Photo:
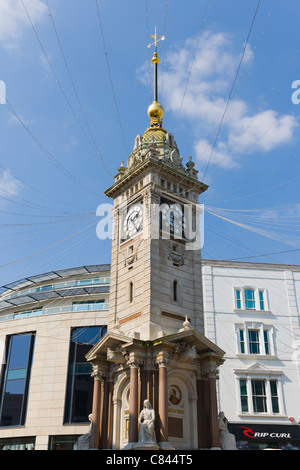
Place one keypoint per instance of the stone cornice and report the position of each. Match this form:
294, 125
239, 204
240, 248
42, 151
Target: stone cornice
250, 265
149, 162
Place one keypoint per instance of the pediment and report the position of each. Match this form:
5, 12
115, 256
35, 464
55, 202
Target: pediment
257, 369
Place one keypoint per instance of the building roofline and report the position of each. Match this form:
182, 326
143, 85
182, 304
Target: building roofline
251, 265
54, 275
98, 268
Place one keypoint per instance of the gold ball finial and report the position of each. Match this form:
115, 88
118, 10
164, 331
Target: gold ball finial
155, 111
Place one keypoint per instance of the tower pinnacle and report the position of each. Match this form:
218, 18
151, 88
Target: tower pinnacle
155, 59
155, 110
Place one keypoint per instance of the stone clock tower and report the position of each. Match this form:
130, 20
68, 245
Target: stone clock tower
155, 347
156, 261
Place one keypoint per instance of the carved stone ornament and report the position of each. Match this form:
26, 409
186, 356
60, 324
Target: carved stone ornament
208, 372
118, 356
176, 253
184, 353
131, 254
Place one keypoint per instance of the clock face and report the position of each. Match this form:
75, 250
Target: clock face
172, 219
133, 221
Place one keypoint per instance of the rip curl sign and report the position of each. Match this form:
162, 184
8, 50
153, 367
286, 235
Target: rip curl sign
2, 92
263, 435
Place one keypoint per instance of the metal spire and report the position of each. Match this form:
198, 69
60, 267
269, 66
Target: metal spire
155, 59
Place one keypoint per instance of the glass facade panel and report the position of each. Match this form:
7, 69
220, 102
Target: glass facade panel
80, 383
89, 305
63, 442
17, 443
19, 351
15, 383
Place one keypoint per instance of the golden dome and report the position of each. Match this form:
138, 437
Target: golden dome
155, 111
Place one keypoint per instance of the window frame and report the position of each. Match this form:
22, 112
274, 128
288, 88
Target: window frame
265, 340
259, 300
272, 401
6, 369
78, 369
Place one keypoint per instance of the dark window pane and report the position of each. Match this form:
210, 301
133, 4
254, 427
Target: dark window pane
259, 396
244, 401
275, 405
83, 395
259, 405
17, 443
63, 442
12, 403
19, 351
16, 375
80, 383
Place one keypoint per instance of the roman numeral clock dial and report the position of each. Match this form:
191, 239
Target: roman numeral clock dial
133, 221
172, 218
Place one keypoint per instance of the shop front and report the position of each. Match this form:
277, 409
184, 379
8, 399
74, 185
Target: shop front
266, 436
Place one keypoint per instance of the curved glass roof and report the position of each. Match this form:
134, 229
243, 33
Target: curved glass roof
55, 293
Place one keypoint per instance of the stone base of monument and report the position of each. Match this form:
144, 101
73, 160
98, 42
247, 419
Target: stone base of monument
165, 446
148, 446
145, 446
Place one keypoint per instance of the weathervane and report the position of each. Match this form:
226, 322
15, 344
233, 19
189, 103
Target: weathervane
155, 59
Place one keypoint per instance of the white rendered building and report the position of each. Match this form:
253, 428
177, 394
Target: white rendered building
252, 313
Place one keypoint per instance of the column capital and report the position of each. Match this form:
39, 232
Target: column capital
98, 373
208, 372
134, 361
162, 359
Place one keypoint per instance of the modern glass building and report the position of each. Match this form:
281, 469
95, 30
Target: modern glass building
48, 323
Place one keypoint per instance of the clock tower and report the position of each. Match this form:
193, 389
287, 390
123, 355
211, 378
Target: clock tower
156, 261
155, 351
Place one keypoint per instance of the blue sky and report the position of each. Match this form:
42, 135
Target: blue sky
78, 84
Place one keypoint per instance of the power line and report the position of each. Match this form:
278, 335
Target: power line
110, 78
96, 149
163, 55
49, 155
38, 191
265, 254
233, 85
192, 64
3, 266
61, 88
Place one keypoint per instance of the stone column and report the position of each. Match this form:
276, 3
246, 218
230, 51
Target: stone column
203, 415
214, 424
107, 415
162, 360
97, 374
133, 400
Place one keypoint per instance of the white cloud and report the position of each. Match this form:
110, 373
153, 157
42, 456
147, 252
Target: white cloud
13, 19
9, 186
205, 99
